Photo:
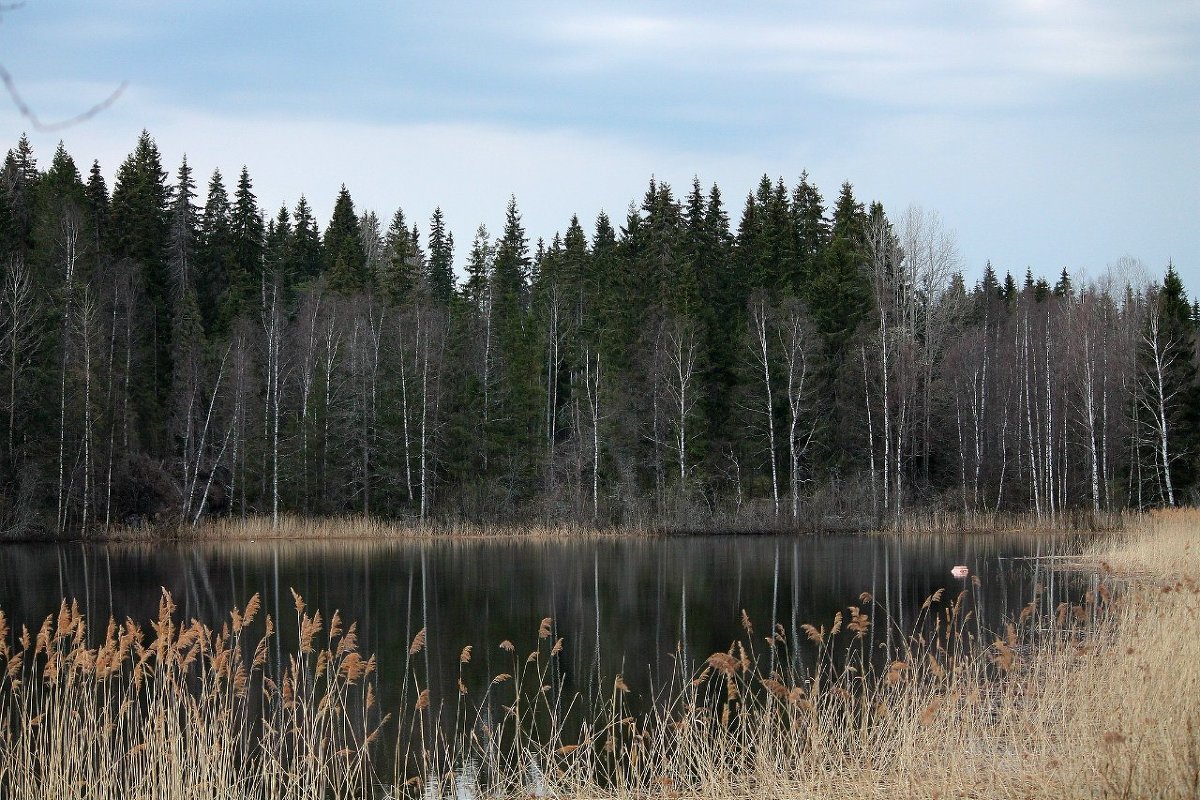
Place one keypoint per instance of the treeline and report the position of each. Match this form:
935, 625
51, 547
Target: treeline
169, 350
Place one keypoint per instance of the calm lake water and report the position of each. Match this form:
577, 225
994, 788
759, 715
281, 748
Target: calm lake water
628, 606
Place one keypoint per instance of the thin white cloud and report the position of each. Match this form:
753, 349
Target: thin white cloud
1002, 51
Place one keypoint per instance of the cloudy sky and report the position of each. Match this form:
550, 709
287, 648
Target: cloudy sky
1047, 134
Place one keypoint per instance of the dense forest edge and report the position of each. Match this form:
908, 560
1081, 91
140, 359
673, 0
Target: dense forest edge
170, 355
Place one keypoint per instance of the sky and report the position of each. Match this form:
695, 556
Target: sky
1045, 134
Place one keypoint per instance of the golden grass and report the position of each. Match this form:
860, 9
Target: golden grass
188, 713
1096, 698
356, 526
292, 526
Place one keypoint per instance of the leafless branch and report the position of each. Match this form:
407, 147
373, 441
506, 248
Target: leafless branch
49, 127
10, 86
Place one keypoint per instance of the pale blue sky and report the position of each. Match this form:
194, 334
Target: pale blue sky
1047, 134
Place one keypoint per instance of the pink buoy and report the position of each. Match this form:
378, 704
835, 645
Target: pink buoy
960, 571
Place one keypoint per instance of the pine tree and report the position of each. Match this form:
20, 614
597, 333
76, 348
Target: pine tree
603, 285
576, 264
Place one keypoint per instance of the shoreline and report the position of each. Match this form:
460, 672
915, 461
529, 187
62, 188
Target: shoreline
357, 528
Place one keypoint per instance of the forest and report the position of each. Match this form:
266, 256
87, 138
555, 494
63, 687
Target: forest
169, 350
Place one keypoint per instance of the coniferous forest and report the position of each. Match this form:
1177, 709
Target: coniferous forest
169, 350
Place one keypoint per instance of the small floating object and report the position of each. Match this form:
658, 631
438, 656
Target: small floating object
960, 571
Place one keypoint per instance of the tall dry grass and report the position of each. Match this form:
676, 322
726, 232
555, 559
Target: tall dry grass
290, 526
183, 711
1092, 698
356, 526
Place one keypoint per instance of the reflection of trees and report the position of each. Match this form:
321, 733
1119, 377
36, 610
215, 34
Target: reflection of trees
619, 604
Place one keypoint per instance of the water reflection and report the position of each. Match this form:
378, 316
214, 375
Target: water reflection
638, 607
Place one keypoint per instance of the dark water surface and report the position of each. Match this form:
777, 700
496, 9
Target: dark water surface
631, 606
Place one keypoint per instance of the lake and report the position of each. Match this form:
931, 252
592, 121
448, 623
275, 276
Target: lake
638, 607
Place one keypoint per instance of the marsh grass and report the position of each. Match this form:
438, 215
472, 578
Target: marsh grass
1092, 698
359, 527
371, 528
183, 711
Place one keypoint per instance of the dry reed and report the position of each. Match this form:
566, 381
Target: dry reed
185, 712
1093, 698
359, 527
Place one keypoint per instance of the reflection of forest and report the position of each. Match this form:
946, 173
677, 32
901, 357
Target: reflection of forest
622, 606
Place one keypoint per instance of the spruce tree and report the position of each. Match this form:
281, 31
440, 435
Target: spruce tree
20, 179
1008, 293
97, 205
214, 256
1178, 338
1063, 287
141, 222
479, 268
306, 243
246, 237
184, 235
278, 258
61, 225
576, 263
839, 295
345, 261
811, 232
401, 274
441, 259
519, 389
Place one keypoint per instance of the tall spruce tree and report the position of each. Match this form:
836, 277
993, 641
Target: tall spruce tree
402, 267
184, 232
811, 234
97, 206
20, 179
1181, 385
246, 239
441, 259
62, 224
278, 256
345, 260
306, 243
141, 223
839, 295
214, 256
